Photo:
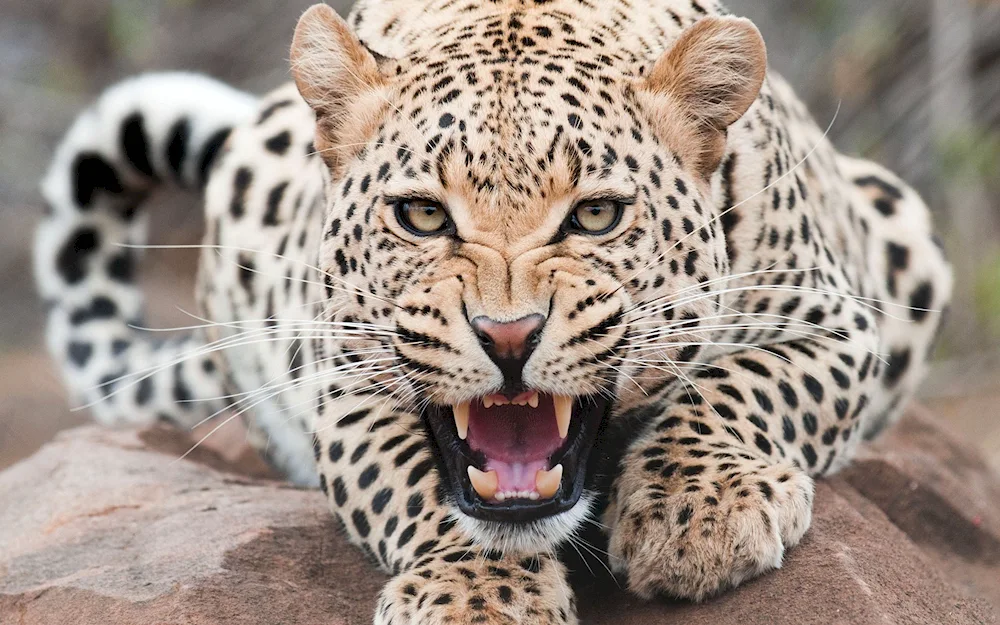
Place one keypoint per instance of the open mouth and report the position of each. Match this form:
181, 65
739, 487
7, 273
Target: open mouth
517, 458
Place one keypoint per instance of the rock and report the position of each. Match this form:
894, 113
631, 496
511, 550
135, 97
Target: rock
109, 527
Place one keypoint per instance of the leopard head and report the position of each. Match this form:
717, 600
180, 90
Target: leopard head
524, 207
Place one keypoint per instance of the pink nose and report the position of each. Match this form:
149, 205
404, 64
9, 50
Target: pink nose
511, 341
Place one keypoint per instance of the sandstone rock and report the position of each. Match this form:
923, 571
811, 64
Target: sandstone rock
109, 527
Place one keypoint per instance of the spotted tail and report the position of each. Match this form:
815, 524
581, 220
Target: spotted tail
153, 130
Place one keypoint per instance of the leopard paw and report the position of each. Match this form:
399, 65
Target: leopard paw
711, 537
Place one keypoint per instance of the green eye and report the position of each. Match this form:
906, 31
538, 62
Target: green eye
596, 217
422, 217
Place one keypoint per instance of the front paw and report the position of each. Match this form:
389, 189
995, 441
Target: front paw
710, 537
481, 591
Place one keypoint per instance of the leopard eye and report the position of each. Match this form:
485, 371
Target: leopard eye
423, 218
596, 217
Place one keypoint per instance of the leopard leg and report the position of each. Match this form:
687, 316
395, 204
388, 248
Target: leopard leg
720, 483
378, 472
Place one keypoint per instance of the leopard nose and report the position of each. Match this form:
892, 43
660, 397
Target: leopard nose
509, 344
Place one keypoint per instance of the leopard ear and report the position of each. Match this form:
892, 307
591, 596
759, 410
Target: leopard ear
705, 82
339, 78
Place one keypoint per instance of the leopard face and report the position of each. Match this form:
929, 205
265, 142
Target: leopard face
530, 231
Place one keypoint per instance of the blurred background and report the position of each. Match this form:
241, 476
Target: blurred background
917, 83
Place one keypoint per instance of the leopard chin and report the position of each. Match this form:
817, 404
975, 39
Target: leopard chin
518, 464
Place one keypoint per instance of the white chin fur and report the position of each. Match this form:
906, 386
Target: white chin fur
537, 537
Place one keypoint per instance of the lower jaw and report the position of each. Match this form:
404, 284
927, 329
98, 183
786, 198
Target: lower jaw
589, 416
537, 536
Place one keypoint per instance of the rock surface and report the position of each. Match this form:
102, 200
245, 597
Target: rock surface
109, 527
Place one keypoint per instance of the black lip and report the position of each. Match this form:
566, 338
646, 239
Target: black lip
589, 414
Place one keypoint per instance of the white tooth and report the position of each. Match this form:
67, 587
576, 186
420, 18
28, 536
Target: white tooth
533, 496
533, 400
501, 401
547, 482
501, 496
487, 402
461, 412
485, 483
564, 412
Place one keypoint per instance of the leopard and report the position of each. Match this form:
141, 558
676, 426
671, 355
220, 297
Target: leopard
496, 275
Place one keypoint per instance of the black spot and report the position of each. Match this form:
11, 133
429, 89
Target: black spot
840, 378
414, 505
182, 394
766, 490
278, 144
102, 307
135, 145
241, 182
336, 451
446, 120
419, 470
810, 423
788, 429
177, 145
144, 392
339, 492
352, 418
73, 255
725, 412
79, 353
763, 401
121, 267
274, 204
754, 366
92, 173
899, 256
505, 594
840, 406
810, 455
209, 151
813, 386
271, 109
830, 435
369, 475
899, 363
788, 394
920, 301
360, 520
406, 535
360, 451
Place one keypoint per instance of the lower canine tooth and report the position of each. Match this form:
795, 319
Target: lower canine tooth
564, 413
547, 482
485, 483
461, 412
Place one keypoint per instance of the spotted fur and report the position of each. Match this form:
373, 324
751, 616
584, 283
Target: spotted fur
766, 305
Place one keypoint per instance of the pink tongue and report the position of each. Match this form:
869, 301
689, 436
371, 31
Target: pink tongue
516, 476
516, 440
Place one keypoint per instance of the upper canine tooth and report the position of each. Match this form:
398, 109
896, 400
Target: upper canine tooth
533, 400
485, 483
564, 413
487, 402
461, 412
547, 482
